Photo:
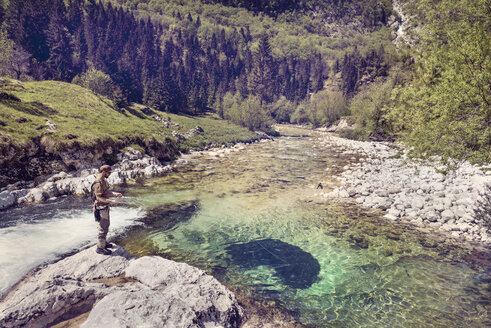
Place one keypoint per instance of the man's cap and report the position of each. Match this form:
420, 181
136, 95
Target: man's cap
105, 168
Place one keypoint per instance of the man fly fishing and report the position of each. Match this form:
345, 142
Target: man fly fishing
100, 196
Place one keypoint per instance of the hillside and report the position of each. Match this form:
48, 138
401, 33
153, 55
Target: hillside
187, 56
255, 62
86, 123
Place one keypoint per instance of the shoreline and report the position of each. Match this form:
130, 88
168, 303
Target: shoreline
379, 177
132, 165
371, 159
382, 177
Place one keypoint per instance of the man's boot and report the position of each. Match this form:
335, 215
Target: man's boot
103, 251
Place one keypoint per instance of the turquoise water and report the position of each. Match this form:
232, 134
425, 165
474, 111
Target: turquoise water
255, 220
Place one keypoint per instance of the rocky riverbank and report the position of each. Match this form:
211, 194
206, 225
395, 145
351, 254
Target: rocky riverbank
382, 177
132, 164
119, 291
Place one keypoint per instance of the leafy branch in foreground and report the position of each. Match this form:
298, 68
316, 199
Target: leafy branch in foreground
445, 109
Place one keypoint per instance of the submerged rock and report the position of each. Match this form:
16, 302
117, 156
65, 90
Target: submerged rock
126, 292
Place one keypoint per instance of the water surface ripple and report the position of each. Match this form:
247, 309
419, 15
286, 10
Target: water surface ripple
255, 220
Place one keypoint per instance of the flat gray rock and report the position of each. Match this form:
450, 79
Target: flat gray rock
120, 291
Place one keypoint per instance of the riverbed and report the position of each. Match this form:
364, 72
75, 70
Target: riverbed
255, 220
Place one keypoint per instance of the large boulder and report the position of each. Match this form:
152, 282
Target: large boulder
175, 295
120, 291
51, 292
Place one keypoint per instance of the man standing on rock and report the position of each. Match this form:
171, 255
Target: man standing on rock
101, 194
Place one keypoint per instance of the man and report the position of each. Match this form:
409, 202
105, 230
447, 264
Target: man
101, 193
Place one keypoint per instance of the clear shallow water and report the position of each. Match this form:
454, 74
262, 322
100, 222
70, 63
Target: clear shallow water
33, 235
255, 221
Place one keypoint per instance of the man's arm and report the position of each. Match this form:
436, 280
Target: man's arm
105, 201
103, 197
116, 194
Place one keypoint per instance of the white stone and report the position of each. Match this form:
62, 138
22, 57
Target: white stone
455, 234
447, 215
390, 217
51, 189
417, 203
468, 218
394, 190
459, 212
394, 212
344, 194
382, 193
36, 195
439, 194
438, 187
438, 206
431, 216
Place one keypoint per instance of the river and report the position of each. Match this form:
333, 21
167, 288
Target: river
255, 220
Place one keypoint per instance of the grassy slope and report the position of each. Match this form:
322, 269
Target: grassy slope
92, 118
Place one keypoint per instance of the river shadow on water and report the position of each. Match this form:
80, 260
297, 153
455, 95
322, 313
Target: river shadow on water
295, 267
255, 220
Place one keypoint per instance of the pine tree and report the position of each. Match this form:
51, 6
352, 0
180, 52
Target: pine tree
317, 74
261, 81
26, 24
58, 42
2, 11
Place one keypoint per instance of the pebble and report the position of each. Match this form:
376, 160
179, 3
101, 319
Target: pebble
413, 191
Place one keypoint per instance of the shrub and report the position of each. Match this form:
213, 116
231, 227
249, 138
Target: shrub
96, 81
246, 112
354, 134
329, 106
282, 109
300, 115
370, 105
324, 108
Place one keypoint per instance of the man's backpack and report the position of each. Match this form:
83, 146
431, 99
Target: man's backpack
92, 194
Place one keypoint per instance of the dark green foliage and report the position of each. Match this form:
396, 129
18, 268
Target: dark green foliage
271, 7
58, 41
2, 11
357, 69
179, 63
370, 13
263, 71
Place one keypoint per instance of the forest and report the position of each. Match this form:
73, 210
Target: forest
259, 62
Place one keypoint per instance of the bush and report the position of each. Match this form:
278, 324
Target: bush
324, 108
329, 106
246, 112
354, 134
300, 115
370, 105
282, 110
96, 81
